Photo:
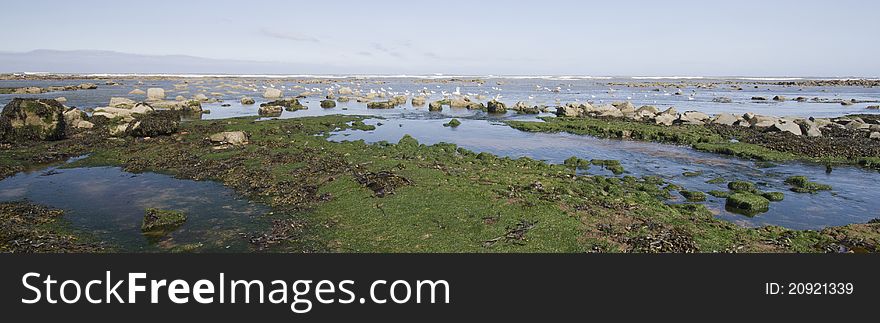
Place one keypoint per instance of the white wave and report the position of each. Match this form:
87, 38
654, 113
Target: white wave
769, 78
667, 77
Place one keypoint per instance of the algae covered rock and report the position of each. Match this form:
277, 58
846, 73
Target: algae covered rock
327, 104
800, 184
748, 203
452, 123
162, 220
287, 104
495, 107
693, 196
32, 119
154, 124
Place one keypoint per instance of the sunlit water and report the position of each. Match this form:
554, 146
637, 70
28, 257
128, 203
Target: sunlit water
111, 203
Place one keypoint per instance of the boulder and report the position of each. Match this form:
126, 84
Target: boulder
82, 124
435, 106
270, 110
154, 124
722, 99
87, 86
61, 99
288, 105
155, 93
327, 104
419, 101
200, 97
121, 102
272, 93
665, 119
32, 119
693, 117
137, 92
398, 99
459, 102
73, 115
785, 126
380, 105
759, 98
247, 100
646, 112
873, 107
874, 135
779, 98
607, 111
810, 128
495, 107
344, 91
725, 119
235, 138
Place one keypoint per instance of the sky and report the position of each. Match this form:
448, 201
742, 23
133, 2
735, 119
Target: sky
475, 37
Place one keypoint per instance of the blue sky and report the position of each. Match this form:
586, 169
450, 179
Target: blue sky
744, 37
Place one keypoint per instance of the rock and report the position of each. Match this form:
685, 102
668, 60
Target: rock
779, 98
846, 102
32, 119
270, 110
288, 105
156, 220
693, 117
608, 111
247, 100
748, 116
200, 97
272, 93
435, 106
665, 119
87, 86
759, 121
154, 124
670, 111
73, 115
749, 202
725, 119
568, 110
856, 125
452, 123
875, 135
189, 106
810, 129
398, 100
873, 107
343, 99
646, 112
722, 99
800, 99
380, 105
137, 92
123, 103
327, 104
155, 93
759, 98
82, 124
180, 98
495, 107
624, 107
61, 99
235, 138
459, 102
786, 126
344, 91
419, 101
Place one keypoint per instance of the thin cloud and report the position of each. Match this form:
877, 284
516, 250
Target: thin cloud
288, 35
386, 50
